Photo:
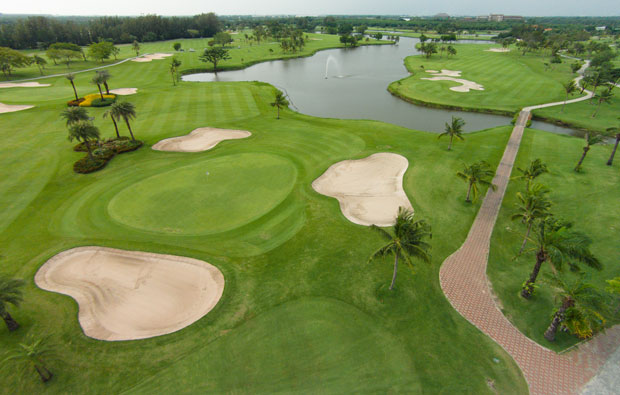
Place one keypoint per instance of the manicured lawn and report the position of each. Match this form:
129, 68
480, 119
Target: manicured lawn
301, 310
511, 81
588, 199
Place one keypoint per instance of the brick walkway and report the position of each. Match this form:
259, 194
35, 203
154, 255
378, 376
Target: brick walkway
463, 280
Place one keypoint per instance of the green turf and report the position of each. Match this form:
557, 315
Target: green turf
588, 199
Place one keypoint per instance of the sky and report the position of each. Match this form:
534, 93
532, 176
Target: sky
315, 7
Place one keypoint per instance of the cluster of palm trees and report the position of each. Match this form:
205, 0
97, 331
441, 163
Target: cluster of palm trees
100, 79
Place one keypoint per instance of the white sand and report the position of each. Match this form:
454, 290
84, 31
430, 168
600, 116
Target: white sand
445, 73
12, 108
498, 50
369, 190
148, 58
201, 139
449, 75
124, 91
128, 295
21, 85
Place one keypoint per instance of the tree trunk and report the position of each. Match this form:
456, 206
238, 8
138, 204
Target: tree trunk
529, 228
395, 270
100, 91
9, 321
596, 111
130, 131
74, 91
107, 90
467, 199
613, 152
528, 288
174, 82
90, 153
44, 373
558, 317
583, 156
450, 145
115, 127
40, 70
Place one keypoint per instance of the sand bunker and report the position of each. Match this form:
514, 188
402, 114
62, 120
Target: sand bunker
124, 91
148, 58
12, 108
369, 190
201, 139
498, 50
21, 85
128, 295
448, 75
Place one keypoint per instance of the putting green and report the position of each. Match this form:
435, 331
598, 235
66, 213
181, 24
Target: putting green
207, 197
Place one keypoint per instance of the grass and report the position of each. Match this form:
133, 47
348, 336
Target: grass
587, 199
302, 310
511, 81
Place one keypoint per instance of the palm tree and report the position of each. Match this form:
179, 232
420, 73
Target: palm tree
532, 205
109, 114
174, 69
591, 139
580, 307
31, 355
569, 87
71, 77
603, 97
279, 102
614, 131
474, 174
453, 129
451, 50
98, 80
535, 169
75, 114
105, 77
556, 243
125, 111
84, 131
136, 47
10, 293
40, 62
407, 241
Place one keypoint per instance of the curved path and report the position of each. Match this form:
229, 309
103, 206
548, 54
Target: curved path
464, 282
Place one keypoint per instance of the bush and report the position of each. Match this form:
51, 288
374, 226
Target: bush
102, 103
127, 145
103, 153
75, 103
87, 165
88, 99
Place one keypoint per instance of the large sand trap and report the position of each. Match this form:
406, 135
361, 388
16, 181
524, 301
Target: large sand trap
448, 75
12, 108
148, 58
498, 50
21, 85
128, 295
369, 190
124, 91
201, 139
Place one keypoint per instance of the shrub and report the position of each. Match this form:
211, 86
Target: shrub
88, 99
104, 152
87, 165
127, 145
102, 103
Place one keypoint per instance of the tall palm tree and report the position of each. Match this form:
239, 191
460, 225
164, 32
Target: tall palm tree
109, 114
75, 114
32, 355
71, 77
532, 205
279, 102
86, 132
10, 293
474, 174
535, 169
603, 97
453, 129
591, 139
569, 87
556, 243
126, 111
105, 77
406, 241
581, 307
615, 131
98, 80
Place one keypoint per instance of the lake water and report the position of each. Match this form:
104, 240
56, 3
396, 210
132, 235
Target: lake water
352, 84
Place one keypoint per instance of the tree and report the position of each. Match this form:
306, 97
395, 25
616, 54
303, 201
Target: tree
214, 55
222, 38
532, 205
474, 174
348, 40
109, 114
176, 46
115, 52
279, 102
101, 50
71, 77
453, 129
615, 132
98, 80
428, 49
535, 169
614, 285
451, 50
591, 139
125, 111
556, 243
135, 46
31, 355
75, 114
85, 132
10, 293
406, 241
580, 308
11, 59
603, 97
40, 62
105, 76
174, 69
569, 88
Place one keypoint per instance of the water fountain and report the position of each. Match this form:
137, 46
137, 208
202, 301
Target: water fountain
331, 59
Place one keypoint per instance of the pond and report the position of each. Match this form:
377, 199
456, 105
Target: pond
352, 84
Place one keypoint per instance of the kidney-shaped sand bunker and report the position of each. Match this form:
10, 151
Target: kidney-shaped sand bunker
129, 295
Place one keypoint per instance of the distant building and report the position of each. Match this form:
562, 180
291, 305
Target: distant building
513, 18
442, 15
498, 18
600, 28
